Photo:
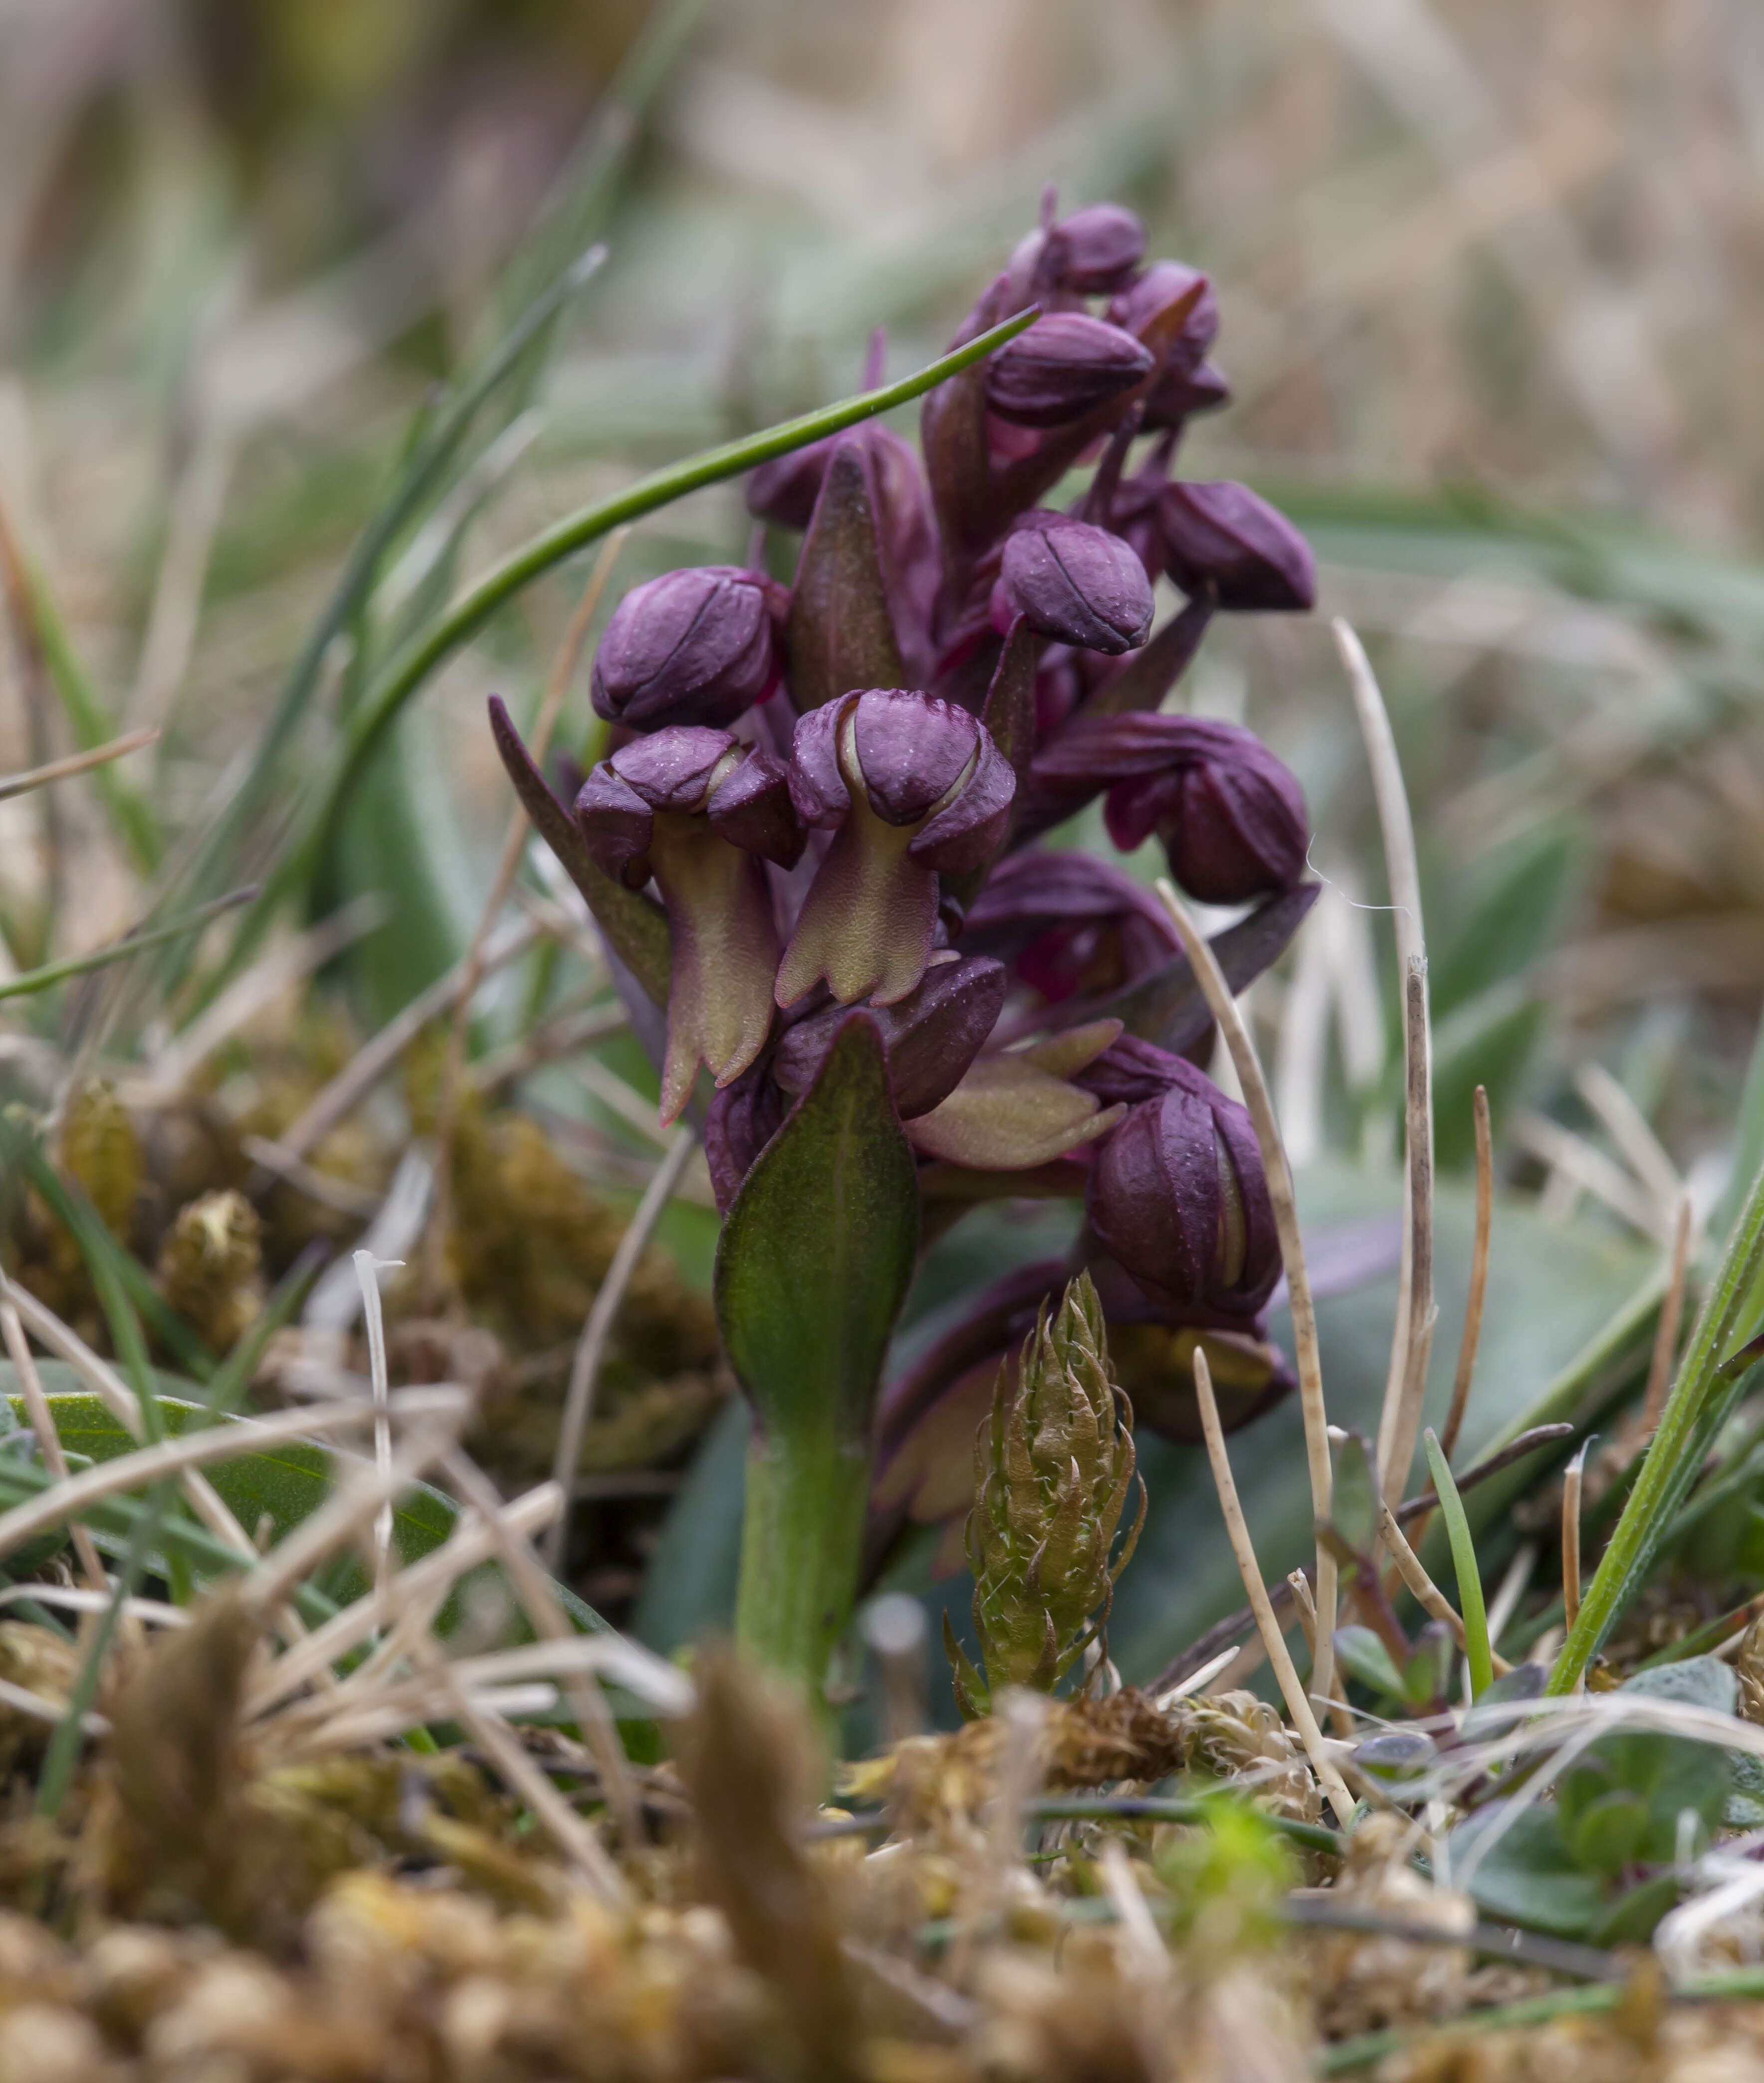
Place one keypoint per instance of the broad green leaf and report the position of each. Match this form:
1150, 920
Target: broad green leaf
817, 1252
1354, 1503
1428, 1670
814, 1262
1503, 912
1526, 1876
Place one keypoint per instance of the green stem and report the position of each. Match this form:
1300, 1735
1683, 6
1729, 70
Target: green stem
802, 1545
1671, 1460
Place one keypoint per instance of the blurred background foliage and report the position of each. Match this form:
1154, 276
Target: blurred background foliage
1491, 277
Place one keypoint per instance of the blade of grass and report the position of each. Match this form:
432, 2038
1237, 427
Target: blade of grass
1469, 1581
76, 763
54, 972
1704, 1392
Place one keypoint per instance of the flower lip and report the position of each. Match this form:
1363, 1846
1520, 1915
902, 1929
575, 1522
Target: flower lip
1077, 583
697, 646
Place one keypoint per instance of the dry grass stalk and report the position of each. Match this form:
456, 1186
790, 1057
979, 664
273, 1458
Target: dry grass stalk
1479, 1280
585, 1368
1629, 1129
43, 1424
1279, 1176
1420, 1313
551, 1624
1666, 1333
170, 1457
1396, 829
76, 762
1573, 1158
1298, 1705
367, 1272
471, 973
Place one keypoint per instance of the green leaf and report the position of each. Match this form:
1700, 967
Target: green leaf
1469, 1581
1428, 1671
814, 1264
1363, 1656
1700, 1401
1509, 907
1630, 1919
1526, 1876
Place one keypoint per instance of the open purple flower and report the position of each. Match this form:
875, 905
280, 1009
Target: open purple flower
1176, 1196
699, 813
1077, 583
915, 788
696, 646
1222, 538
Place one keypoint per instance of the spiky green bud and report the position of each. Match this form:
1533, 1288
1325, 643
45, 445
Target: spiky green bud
1053, 1466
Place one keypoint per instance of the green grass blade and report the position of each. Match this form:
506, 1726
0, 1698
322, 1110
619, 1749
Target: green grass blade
119, 951
1703, 1392
1469, 1581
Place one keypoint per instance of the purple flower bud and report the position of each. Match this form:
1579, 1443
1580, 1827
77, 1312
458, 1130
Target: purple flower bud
1131, 1070
699, 811
1177, 1195
1070, 925
695, 646
1095, 249
1163, 304
931, 1036
1230, 814
1222, 536
1076, 583
1061, 369
916, 788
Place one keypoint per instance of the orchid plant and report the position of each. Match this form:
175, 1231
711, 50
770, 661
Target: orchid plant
816, 851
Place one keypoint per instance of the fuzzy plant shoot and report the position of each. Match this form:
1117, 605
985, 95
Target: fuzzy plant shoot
816, 850
1053, 1470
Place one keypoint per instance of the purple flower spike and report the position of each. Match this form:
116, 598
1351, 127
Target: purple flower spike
932, 1035
1061, 369
1222, 537
1176, 1196
697, 646
916, 788
699, 812
1076, 583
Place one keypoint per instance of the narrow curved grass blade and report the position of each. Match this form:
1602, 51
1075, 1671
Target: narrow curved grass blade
1469, 1581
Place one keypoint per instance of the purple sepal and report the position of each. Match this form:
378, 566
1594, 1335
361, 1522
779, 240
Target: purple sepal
1220, 537
752, 808
616, 826
741, 1119
1069, 924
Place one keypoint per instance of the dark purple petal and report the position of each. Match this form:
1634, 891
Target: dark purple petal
616, 826
1076, 583
1069, 924
695, 646
932, 1036
741, 1118
1221, 536
911, 750
1062, 368
784, 490
752, 810
1130, 1070
1236, 828
671, 769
